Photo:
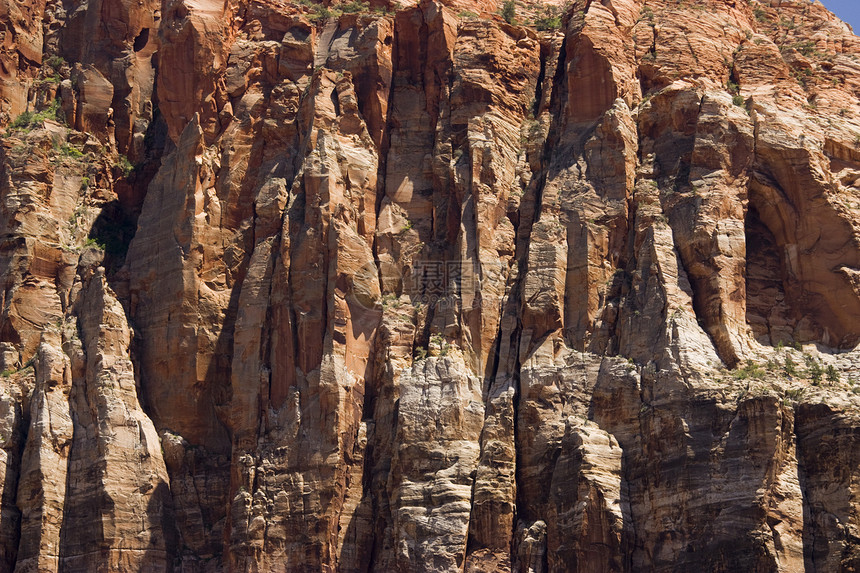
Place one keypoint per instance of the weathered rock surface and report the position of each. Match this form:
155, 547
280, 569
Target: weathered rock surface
293, 288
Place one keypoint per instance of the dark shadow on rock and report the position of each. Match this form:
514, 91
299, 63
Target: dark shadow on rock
10, 515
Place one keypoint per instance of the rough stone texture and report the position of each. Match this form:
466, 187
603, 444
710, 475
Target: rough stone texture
411, 291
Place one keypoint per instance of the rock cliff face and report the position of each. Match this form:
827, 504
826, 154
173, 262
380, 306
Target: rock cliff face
294, 288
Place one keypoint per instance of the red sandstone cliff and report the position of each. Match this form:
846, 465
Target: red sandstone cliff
408, 290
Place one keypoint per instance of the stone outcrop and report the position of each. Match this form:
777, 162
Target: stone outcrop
293, 287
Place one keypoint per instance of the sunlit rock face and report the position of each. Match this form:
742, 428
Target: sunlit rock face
412, 288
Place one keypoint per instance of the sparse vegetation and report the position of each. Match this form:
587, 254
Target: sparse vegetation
355, 7
550, 19
749, 370
787, 24
509, 11
124, 165
9, 371
28, 120
807, 48
55, 62
646, 13
437, 340
815, 372
789, 367
94, 242
320, 12
79, 210
802, 76
52, 79
71, 151
792, 395
386, 10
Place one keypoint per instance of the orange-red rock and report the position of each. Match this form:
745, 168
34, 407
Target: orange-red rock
288, 287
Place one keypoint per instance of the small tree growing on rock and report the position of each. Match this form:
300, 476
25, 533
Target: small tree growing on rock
509, 11
550, 20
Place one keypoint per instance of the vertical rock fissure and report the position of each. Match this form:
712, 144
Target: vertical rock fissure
518, 501
67, 532
8, 505
809, 536
366, 431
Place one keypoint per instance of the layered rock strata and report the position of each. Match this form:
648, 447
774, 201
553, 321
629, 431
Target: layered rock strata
293, 288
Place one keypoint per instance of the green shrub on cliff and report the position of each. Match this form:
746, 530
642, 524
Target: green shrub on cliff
124, 165
509, 11
549, 20
28, 120
355, 7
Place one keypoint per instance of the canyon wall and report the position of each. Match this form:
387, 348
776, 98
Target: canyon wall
411, 288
